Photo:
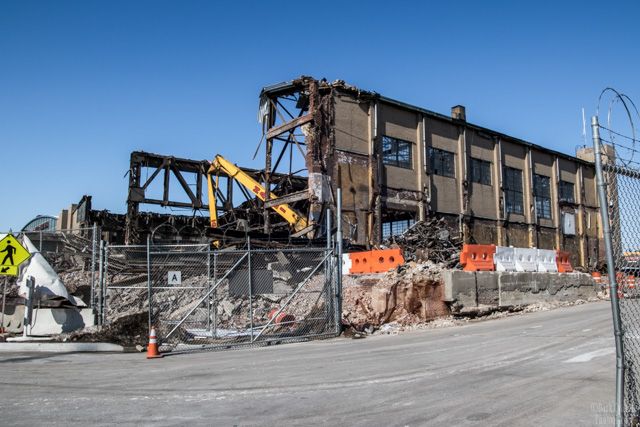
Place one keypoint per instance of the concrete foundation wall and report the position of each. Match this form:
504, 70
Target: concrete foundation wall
48, 321
472, 290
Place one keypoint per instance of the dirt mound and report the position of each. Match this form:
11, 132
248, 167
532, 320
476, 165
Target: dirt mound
409, 295
127, 330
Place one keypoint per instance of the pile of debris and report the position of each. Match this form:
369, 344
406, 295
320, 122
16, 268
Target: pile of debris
409, 295
128, 330
430, 240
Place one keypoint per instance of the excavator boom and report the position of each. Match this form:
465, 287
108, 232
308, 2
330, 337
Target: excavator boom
220, 164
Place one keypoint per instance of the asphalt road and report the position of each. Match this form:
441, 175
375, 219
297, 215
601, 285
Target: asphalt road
545, 368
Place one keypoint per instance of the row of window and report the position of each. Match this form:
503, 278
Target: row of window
397, 152
513, 194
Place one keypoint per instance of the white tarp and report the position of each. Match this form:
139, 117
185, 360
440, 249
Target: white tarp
46, 279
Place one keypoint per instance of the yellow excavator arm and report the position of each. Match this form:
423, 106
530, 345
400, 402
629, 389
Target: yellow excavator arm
220, 164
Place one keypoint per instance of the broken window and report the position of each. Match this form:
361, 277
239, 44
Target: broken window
441, 162
481, 171
395, 228
396, 152
567, 192
542, 193
514, 201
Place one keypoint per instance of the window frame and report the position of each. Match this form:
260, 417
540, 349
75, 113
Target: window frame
542, 201
439, 153
396, 227
480, 163
561, 191
513, 195
393, 157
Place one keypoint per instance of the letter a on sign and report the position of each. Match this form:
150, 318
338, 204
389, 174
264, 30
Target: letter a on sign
174, 277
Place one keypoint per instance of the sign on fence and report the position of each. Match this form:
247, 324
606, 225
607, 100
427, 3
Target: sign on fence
174, 278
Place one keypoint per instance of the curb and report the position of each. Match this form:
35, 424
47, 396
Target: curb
60, 347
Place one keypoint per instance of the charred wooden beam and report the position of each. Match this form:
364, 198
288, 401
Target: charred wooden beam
287, 199
285, 127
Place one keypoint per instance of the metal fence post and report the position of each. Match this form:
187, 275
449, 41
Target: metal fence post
209, 288
94, 245
97, 308
149, 278
339, 260
328, 279
28, 309
250, 286
214, 294
615, 307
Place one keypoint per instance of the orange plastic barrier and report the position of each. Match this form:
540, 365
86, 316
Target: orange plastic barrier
360, 262
564, 265
478, 257
375, 261
385, 260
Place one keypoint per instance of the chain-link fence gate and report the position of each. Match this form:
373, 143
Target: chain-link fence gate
220, 299
199, 299
617, 159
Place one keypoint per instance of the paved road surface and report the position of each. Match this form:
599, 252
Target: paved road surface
545, 368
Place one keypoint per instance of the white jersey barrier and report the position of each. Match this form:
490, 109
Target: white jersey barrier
526, 259
547, 260
504, 259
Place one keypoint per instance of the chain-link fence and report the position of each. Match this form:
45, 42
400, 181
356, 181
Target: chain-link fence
249, 297
124, 278
199, 298
618, 170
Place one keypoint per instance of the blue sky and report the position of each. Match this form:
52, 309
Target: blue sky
84, 83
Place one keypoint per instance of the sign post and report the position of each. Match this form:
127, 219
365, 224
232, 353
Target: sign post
4, 302
12, 254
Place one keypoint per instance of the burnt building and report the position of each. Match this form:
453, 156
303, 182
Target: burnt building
397, 163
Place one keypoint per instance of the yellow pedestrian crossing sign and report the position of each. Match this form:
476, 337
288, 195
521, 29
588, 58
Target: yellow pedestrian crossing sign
12, 254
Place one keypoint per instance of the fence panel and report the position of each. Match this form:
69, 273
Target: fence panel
223, 299
125, 278
618, 171
124, 274
74, 256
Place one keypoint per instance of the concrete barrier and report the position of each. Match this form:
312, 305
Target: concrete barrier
505, 288
48, 321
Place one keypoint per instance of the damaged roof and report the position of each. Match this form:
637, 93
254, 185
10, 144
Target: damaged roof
290, 86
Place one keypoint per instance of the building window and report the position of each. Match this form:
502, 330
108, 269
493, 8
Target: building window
542, 193
396, 152
567, 192
514, 201
395, 228
481, 171
441, 162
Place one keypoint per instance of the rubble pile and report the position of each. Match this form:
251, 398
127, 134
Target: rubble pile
409, 295
129, 303
78, 283
430, 240
127, 330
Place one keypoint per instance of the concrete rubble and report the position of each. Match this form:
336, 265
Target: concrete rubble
408, 295
430, 240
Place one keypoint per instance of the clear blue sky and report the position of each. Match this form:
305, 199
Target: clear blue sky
84, 83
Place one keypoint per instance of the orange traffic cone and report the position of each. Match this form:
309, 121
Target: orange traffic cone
152, 348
